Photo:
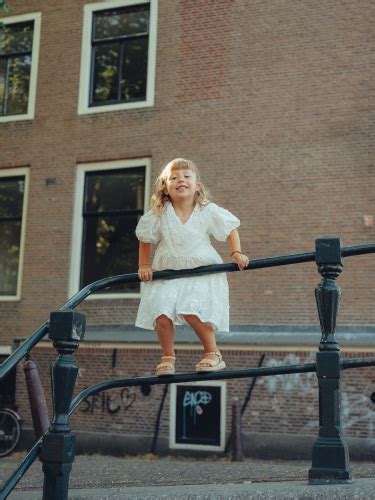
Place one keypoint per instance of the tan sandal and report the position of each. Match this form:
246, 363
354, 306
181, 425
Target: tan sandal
210, 365
166, 367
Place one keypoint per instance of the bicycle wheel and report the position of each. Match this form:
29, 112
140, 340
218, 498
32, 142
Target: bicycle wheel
10, 431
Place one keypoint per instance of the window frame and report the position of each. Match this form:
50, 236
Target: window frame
37, 18
86, 55
76, 247
16, 172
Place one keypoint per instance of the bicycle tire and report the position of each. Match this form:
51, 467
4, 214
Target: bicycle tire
10, 431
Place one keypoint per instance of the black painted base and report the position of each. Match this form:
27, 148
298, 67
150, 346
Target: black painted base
330, 462
320, 475
57, 455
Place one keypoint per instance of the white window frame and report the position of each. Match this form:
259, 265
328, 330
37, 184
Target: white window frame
172, 417
14, 172
37, 18
84, 83
76, 248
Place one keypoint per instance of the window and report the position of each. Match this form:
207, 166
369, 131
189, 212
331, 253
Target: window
118, 55
12, 214
19, 49
110, 199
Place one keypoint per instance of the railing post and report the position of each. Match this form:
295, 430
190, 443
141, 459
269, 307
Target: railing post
330, 460
236, 441
37, 399
58, 447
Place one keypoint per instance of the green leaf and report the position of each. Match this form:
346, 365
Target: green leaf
4, 7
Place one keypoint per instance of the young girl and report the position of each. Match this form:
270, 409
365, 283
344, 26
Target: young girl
180, 222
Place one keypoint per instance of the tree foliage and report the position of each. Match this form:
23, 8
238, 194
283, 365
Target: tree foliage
4, 10
4, 7
15, 63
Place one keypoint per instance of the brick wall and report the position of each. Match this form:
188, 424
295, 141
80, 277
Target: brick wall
279, 404
271, 99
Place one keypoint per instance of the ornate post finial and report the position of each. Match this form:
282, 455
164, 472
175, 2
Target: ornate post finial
328, 257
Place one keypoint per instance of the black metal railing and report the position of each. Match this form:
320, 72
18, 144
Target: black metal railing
179, 378
284, 260
330, 463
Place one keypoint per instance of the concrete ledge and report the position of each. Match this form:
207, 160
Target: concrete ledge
255, 444
283, 335
361, 336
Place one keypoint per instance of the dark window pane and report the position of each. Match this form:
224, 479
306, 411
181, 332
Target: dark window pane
3, 66
113, 24
114, 190
110, 248
18, 85
9, 256
109, 245
11, 196
134, 75
105, 84
17, 38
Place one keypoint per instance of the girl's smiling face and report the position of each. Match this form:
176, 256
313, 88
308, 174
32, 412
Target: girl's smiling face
181, 184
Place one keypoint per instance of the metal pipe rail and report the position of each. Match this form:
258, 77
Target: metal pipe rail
102, 284
194, 377
190, 377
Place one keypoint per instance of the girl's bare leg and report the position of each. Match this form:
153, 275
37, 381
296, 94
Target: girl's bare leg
212, 359
204, 331
165, 332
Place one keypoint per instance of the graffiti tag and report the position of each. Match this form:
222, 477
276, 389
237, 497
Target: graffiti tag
105, 402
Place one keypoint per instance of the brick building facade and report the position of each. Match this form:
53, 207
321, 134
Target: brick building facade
273, 100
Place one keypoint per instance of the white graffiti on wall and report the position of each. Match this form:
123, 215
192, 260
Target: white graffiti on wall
356, 409
303, 382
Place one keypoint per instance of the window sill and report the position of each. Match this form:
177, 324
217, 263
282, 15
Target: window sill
114, 107
14, 118
10, 298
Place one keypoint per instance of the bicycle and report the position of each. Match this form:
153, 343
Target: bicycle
10, 431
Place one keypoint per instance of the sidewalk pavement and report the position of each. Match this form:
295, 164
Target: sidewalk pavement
153, 478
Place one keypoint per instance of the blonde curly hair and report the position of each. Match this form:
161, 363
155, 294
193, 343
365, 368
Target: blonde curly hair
160, 198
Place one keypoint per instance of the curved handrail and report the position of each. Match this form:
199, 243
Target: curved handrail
192, 377
73, 302
110, 384
189, 377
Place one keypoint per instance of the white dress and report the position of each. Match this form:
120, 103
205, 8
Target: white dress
183, 246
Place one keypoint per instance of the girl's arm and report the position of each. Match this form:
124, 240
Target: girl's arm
144, 268
236, 254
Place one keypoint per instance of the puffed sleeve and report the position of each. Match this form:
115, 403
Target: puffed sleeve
148, 228
220, 222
